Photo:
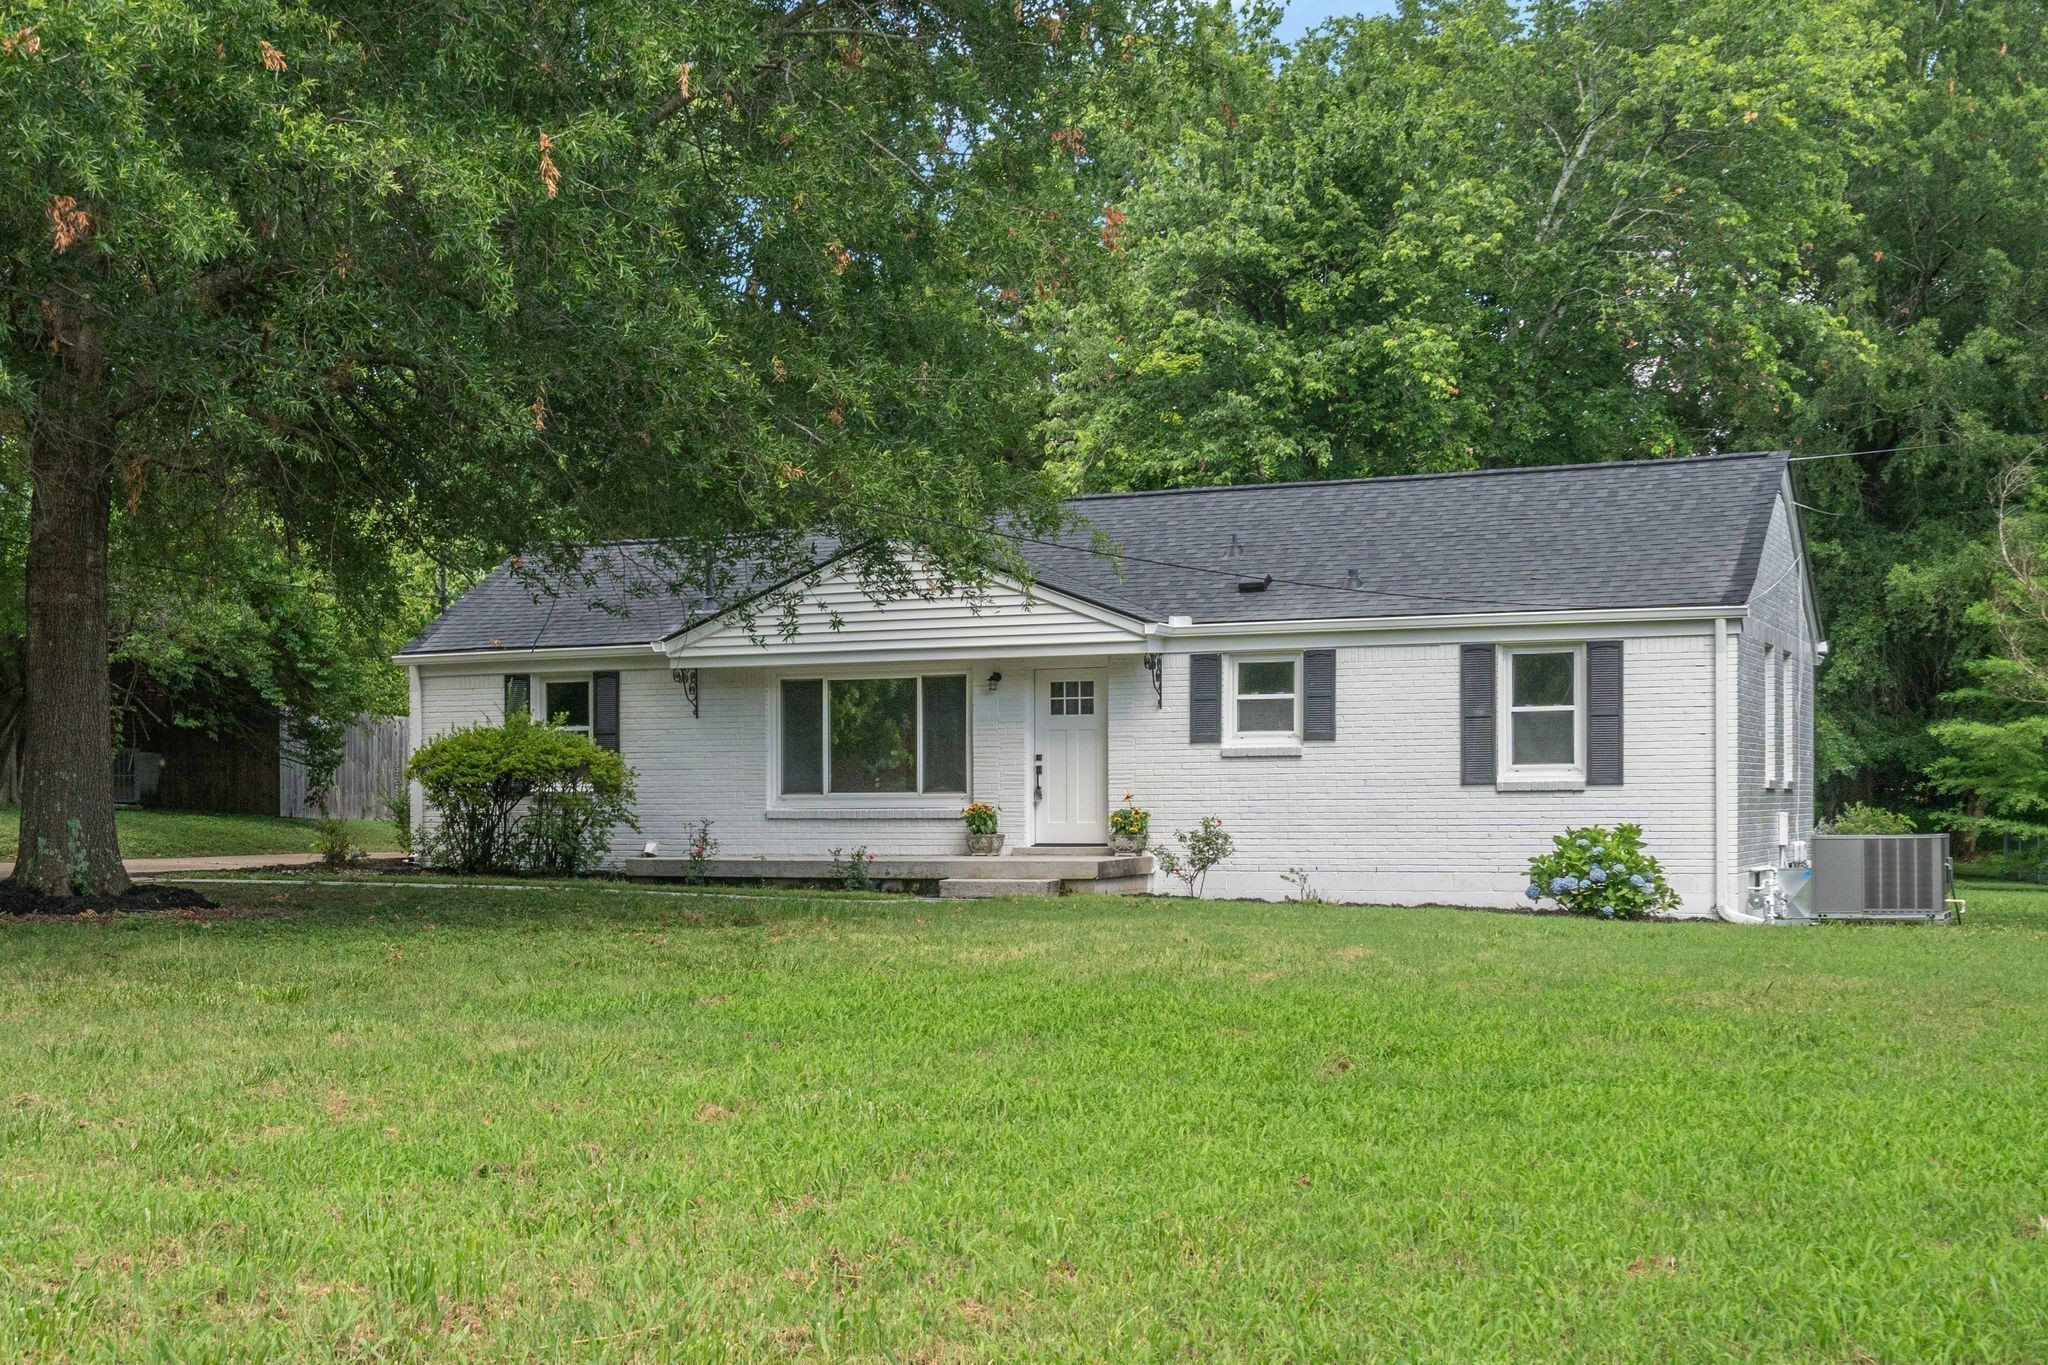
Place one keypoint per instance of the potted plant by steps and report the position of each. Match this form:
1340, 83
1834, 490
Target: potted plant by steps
1127, 827
982, 839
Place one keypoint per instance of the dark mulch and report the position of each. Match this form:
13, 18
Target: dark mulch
141, 899
378, 865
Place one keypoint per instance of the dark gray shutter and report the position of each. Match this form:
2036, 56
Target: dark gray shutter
1603, 713
1319, 694
518, 694
1205, 698
604, 710
1475, 715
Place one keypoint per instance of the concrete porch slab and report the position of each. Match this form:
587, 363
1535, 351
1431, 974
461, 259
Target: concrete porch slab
974, 888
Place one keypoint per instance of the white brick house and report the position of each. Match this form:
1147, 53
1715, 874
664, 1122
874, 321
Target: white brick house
1403, 687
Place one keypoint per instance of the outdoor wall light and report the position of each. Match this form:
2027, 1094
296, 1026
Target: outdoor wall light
995, 680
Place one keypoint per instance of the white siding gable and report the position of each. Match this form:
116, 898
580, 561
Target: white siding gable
838, 622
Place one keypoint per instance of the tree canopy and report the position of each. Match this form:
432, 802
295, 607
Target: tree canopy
353, 279
1476, 233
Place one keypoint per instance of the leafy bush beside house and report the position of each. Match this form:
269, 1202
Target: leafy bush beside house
520, 797
1602, 872
1858, 818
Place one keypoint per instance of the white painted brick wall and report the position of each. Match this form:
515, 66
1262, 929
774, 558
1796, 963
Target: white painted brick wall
1378, 815
715, 765
1777, 617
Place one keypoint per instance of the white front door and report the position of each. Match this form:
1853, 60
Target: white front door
1071, 781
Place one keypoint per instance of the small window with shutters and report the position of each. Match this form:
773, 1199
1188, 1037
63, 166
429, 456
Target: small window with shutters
1542, 714
1265, 701
564, 702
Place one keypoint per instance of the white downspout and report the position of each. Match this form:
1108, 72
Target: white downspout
415, 796
1724, 760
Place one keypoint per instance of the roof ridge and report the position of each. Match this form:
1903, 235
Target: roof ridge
1665, 461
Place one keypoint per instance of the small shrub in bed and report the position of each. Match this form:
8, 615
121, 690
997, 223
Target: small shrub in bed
1208, 845
1601, 872
1857, 818
520, 797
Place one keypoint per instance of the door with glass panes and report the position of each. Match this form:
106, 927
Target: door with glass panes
1071, 798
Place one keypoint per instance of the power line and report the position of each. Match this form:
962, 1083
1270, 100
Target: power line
1851, 454
1236, 575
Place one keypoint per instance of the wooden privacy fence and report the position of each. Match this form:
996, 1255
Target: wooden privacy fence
372, 771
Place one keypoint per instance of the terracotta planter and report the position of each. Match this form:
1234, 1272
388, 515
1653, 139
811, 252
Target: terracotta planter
982, 845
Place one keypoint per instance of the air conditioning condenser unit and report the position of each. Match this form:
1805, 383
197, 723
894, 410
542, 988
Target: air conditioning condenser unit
1883, 877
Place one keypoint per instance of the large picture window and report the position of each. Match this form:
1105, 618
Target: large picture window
853, 736
1543, 713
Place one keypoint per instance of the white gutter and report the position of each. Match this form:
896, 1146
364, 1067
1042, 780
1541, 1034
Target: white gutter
1181, 625
508, 655
1722, 724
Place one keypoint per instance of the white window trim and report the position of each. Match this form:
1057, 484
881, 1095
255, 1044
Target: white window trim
1260, 743
1509, 776
870, 804
1770, 691
537, 697
1788, 720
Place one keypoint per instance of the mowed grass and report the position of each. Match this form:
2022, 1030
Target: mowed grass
404, 1124
190, 834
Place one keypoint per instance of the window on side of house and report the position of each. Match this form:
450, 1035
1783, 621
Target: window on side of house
1788, 729
1770, 717
567, 703
1544, 713
518, 694
874, 736
1265, 697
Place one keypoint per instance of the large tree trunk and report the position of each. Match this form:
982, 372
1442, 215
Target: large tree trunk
68, 844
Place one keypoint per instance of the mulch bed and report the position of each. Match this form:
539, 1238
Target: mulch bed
141, 899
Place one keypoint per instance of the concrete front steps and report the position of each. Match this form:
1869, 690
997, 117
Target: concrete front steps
1024, 872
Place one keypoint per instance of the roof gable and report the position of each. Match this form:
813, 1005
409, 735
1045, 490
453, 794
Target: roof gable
837, 622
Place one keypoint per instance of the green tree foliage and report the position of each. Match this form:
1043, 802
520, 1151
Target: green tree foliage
1995, 750
1467, 236
1475, 234
352, 277
1936, 295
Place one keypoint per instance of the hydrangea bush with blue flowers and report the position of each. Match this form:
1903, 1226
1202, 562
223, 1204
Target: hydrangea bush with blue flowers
1601, 872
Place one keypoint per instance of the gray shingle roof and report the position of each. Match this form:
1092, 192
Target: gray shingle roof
623, 594
1647, 533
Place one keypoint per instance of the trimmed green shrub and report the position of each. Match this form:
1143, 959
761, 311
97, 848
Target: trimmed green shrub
520, 797
1601, 872
1858, 818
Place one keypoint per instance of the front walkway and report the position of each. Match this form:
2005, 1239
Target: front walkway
226, 862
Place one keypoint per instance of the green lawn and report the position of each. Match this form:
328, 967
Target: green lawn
396, 1123
185, 834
